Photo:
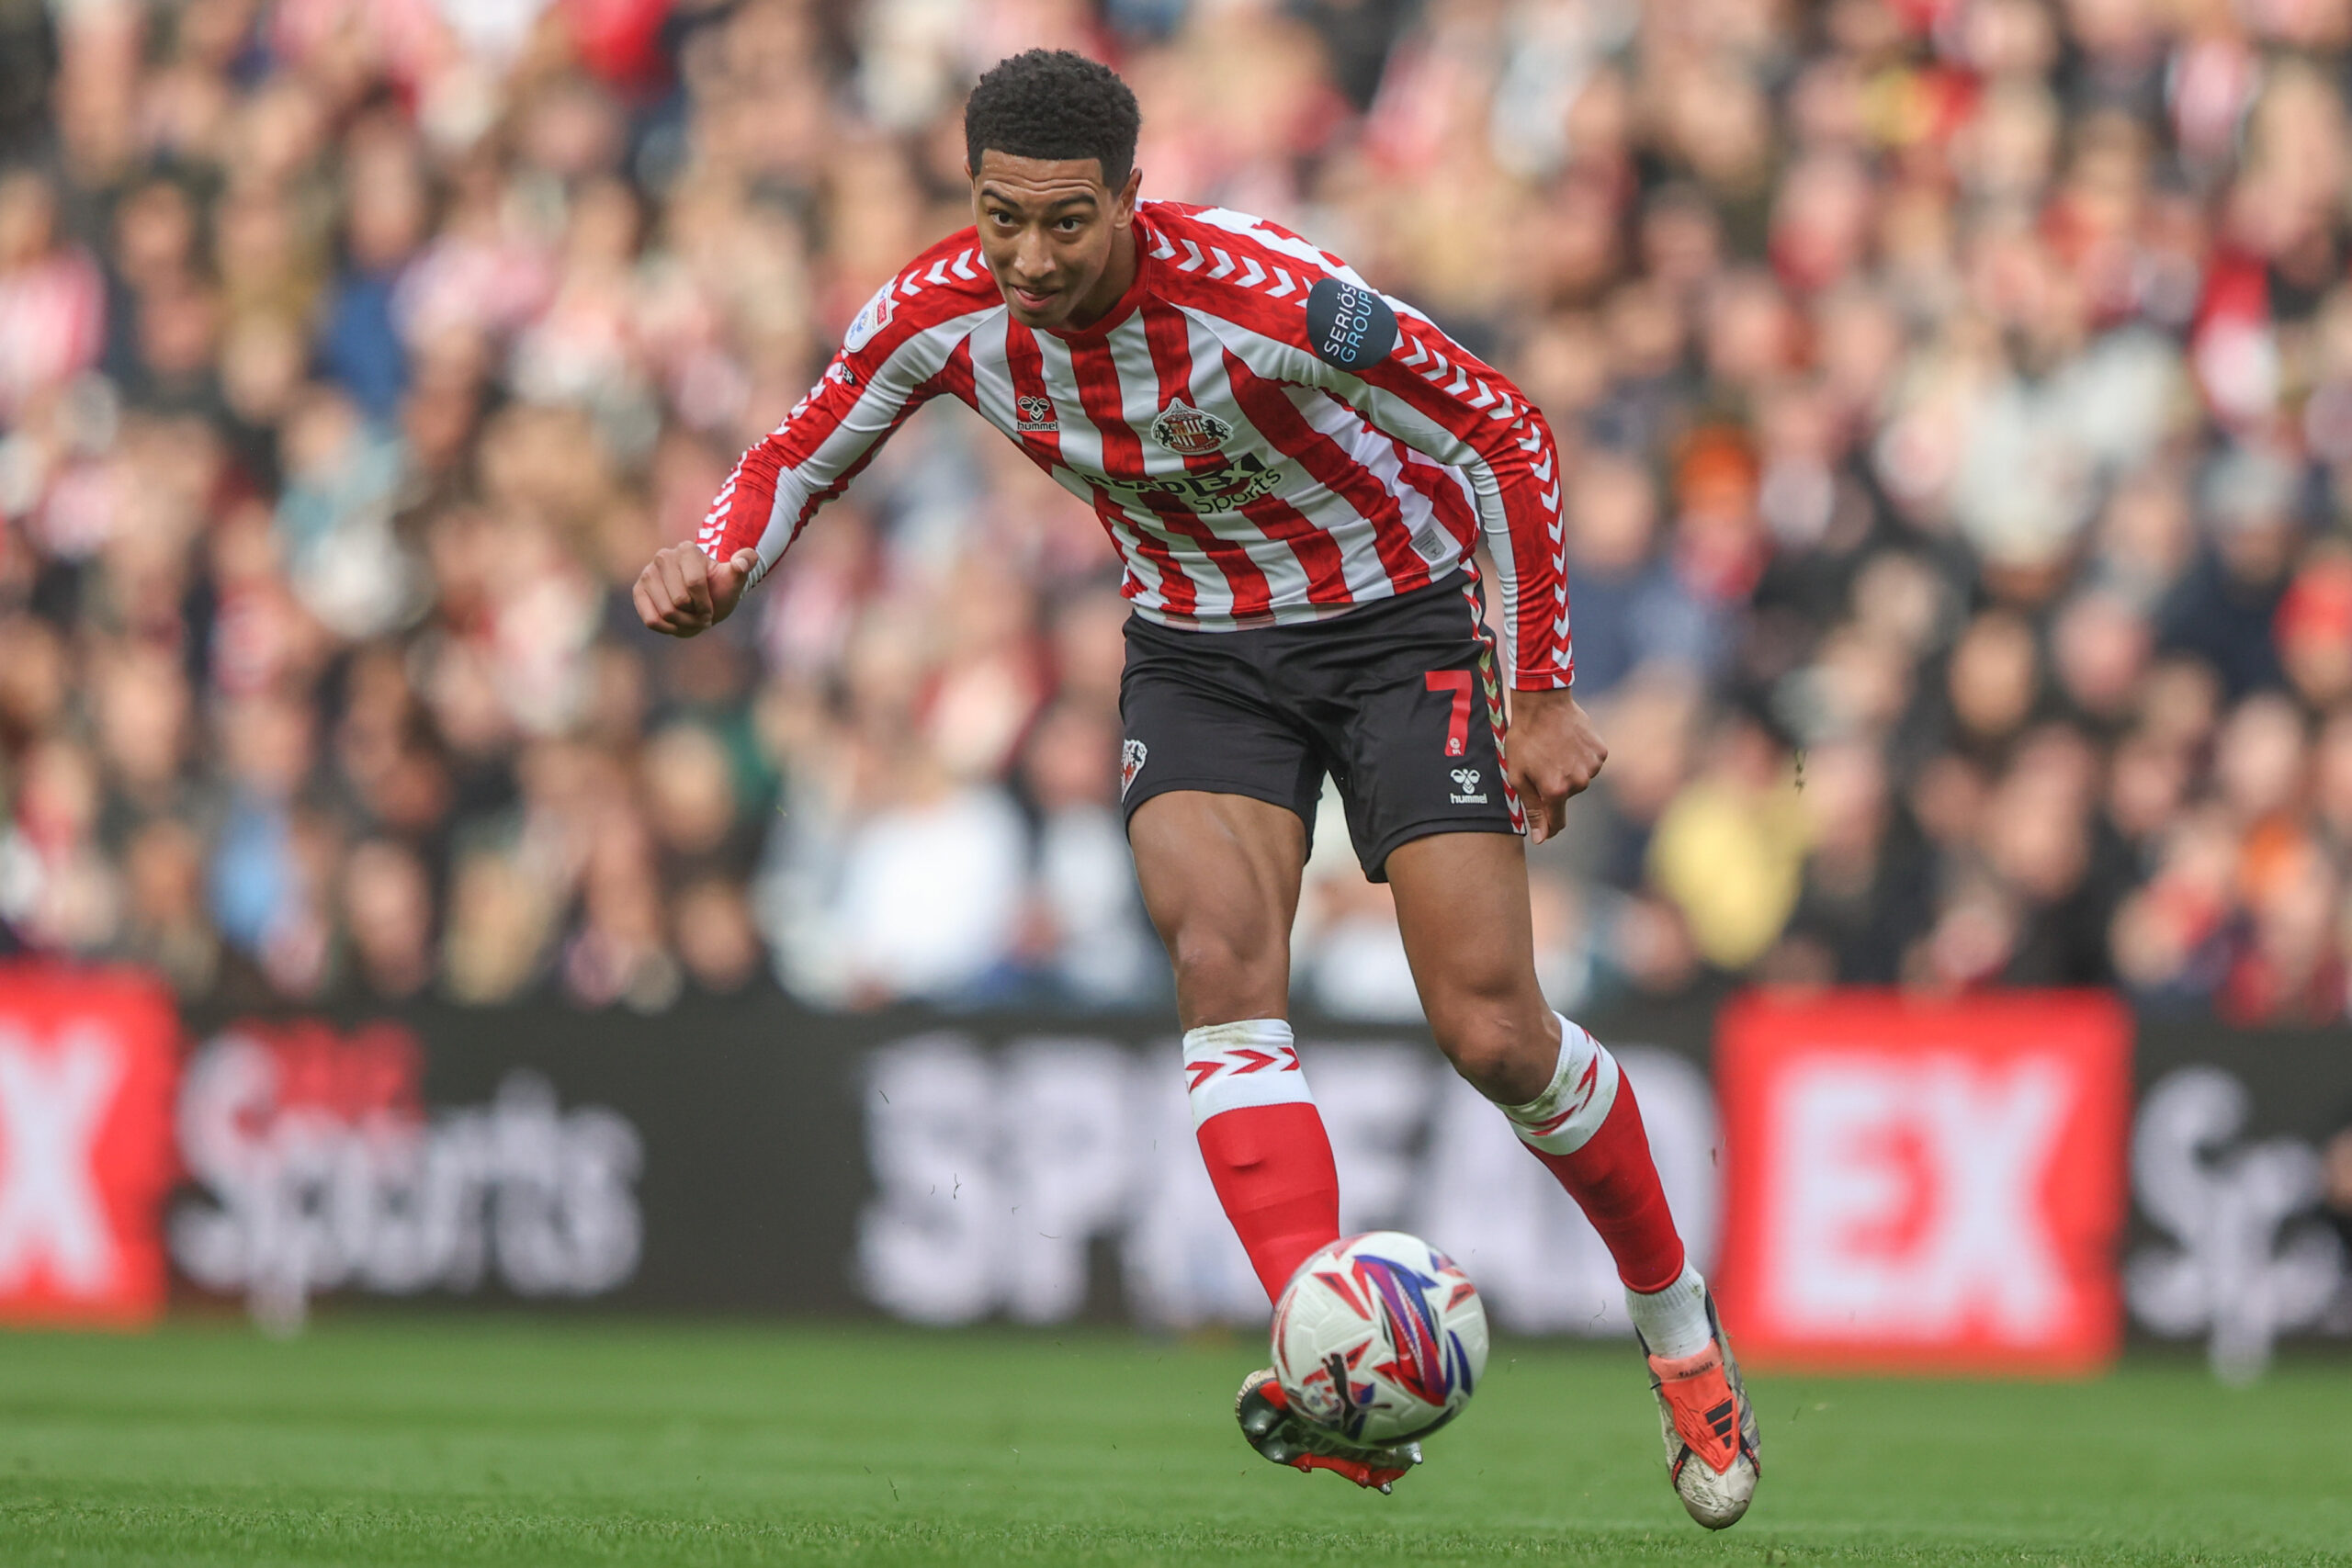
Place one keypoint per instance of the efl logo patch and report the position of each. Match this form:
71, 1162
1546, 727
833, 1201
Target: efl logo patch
1037, 416
1132, 756
1185, 429
873, 319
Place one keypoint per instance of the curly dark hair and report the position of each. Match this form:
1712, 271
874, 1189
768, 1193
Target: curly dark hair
1050, 103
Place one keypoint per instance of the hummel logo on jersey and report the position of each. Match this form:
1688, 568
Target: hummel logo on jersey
1132, 754
1037, 416
1466, 783
1183, 428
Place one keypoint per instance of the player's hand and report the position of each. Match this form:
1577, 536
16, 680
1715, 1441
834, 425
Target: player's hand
682, 591
1554, 752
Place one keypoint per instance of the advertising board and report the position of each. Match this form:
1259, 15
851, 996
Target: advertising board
1925, 1183
2001, 1183
86, 1062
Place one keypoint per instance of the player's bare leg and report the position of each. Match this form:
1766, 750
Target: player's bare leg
1220, 875
1462, 907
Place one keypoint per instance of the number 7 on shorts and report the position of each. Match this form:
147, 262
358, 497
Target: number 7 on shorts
1457, 725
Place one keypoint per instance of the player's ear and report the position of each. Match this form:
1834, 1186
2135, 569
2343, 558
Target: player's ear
1129, 188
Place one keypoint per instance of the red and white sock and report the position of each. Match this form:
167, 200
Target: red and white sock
1586, 1128
1263, 1142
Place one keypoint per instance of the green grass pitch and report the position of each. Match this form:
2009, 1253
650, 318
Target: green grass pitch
435, 1440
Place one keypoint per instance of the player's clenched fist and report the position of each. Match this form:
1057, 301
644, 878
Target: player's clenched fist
1554, 752
682, 591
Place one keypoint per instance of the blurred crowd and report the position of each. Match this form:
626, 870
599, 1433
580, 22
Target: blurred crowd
1957, 396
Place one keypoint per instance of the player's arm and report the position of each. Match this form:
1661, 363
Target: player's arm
889, 364
1415, 383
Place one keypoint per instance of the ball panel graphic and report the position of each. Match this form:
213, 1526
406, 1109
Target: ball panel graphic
1380, 1337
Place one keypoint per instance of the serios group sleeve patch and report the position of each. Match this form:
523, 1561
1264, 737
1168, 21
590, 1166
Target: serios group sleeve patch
1349, 325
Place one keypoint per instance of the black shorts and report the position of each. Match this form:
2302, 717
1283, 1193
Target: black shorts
1398, 701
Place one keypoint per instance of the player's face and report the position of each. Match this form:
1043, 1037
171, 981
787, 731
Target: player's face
1051, 231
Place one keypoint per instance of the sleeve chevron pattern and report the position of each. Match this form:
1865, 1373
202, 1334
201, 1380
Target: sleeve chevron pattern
1438, 399
903, 349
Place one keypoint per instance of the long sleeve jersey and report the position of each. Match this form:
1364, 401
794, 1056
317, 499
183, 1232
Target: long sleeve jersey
1266, 439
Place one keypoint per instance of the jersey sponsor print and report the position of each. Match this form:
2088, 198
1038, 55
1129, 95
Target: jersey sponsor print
1265, 437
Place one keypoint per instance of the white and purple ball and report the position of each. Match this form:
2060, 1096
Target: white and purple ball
1380, 1338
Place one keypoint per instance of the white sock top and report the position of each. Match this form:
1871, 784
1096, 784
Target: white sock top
1230, 1067
1673, 1322
1572, 1107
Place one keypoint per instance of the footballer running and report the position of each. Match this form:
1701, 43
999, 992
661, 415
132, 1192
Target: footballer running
1296, 472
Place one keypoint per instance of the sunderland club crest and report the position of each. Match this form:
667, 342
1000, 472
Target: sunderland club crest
1185, 429
1131, 759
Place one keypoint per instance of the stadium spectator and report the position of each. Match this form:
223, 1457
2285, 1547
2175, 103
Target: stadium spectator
1958, 401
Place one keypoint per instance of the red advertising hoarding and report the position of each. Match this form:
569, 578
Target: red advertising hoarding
86, 1067
1916, 1184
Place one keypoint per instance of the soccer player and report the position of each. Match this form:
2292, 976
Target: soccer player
1296, 472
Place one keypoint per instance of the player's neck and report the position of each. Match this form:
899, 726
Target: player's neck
1118, 279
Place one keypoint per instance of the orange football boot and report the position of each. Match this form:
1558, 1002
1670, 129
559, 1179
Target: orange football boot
1710, 1429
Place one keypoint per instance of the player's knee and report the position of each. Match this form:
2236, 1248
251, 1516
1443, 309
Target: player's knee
1500, 1048
1220, 973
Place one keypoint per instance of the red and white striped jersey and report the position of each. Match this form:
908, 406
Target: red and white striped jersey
1247, 476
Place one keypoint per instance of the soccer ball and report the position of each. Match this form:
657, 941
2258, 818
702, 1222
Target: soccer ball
1380, 1338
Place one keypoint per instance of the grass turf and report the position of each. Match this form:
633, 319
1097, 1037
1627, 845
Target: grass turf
468, 1441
